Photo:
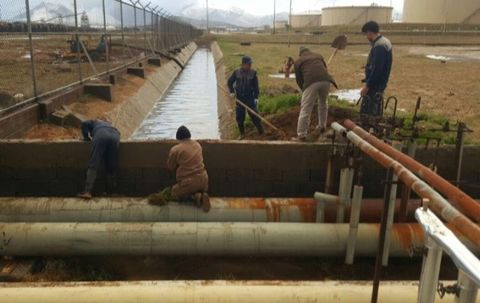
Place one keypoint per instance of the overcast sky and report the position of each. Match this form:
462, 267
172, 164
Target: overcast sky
265, 7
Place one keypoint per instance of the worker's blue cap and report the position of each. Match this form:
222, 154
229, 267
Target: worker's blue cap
247, 60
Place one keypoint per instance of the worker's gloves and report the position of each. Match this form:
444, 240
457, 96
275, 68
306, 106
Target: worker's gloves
232, 95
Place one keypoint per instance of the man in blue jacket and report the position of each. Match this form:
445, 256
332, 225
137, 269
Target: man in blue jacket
377, 71
243, 85
105, 145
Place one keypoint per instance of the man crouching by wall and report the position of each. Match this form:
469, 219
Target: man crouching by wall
186, 159
105, 145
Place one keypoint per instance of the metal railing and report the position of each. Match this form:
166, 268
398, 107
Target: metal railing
438, 237
441, 239
50, 45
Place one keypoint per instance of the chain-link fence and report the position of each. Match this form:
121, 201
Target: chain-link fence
46, 45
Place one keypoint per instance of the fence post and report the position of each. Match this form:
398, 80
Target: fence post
30, 42
145, 30
77, 41
105, 37
122, 32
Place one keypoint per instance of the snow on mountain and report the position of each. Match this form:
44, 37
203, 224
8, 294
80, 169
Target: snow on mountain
234, 16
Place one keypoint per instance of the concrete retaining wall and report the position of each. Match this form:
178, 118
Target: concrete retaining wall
128, 116
279, 169
226, 107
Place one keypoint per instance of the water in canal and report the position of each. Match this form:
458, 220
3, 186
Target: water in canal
191, 101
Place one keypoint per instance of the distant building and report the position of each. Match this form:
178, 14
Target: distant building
356, 15
441, 12
282, 24
306, 20
84, 21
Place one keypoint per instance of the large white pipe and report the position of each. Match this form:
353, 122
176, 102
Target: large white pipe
138, 210
217, 239
210, 291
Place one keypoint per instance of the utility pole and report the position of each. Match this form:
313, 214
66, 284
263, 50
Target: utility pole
274, 15
290, 25
290, 17
208, 25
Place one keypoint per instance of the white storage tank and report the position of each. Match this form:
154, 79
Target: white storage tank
356, 15
442, 11
306, 20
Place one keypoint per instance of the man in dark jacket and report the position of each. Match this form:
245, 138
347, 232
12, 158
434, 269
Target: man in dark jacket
105, 144
243, 85
377, 70
314, 80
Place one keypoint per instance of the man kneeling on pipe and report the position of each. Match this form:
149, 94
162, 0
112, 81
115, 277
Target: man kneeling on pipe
105, 145
186, 159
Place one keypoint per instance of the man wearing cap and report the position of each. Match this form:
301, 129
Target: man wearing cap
186, 160
377, 71
243, 85
314, 80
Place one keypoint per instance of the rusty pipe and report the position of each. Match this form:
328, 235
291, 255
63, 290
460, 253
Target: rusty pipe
438, 204
199, 239
464, 202
138, 210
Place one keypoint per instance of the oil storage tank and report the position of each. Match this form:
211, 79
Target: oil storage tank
442, 11
306, 20
356, 15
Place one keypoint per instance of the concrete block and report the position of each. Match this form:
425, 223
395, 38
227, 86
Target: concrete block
45, 109
112, 79
155, 61
149, 187
136, 71
130, 173
101, 90
66, 188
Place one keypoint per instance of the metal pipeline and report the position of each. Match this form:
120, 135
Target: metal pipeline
199, 239
138, 210
438, 204
210, 291
464, 202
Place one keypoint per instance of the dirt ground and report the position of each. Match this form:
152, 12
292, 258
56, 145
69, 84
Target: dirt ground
90, 107
55, 66
448, 88
225, 268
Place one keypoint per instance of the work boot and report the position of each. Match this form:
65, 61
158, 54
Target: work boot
206, 202
198, 198
299, 139
85, 195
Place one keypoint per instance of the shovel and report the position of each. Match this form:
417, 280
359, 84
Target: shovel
253, 112
339, 43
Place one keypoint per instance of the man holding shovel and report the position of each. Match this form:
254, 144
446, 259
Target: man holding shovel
243, 85
314, 80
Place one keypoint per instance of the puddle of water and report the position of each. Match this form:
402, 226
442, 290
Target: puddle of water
191, 101
281, 76
350, 95
436, 57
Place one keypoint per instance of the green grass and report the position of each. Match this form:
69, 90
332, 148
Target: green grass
278, 104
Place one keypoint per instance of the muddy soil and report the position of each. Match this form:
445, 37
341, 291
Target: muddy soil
287, 123
225, 268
